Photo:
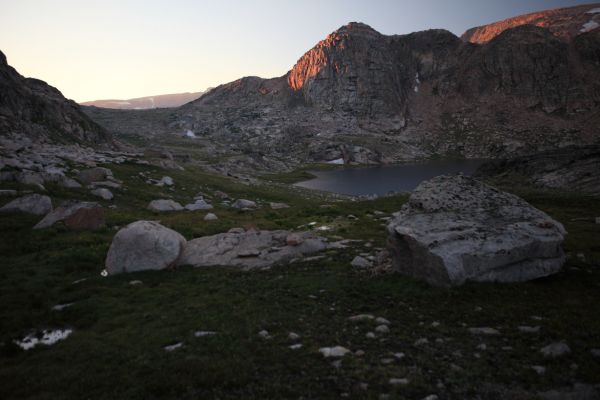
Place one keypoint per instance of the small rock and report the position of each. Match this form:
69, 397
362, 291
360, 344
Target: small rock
337, 351
243, 203
361, 262
60, 307
382, 329
164, 205
359, 353
210, 217
278, 206
293, 336
539, 369
529, 329
484, 331
556, 350
435, 324
431, 397
370, 335
399, 356
421, 342
381, 321
361, 317
199, 205
264, 334
293, 239
482, 346
103, 193
135, 283
399, 381
204, 333
165, 181
173, 347
296, 346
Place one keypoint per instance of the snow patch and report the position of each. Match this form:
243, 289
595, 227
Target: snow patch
190, 134
589, 26
417, 83
49, 337
594, 11
338, 161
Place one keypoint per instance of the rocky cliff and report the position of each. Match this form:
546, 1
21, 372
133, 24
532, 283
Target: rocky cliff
564, 23
35, 109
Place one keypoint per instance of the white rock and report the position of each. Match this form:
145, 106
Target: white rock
296, 346
199, 205
556, 350
293, 336
361, 317
370, 335
337, 351
539, 369
204, 333
484, 331
173, 347
211, 217
264, 334
381, 321
243, 203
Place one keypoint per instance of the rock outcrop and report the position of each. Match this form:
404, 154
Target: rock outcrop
564, 23
31, 107
569, 168
249, 249
164, 205
456, 229
143, 245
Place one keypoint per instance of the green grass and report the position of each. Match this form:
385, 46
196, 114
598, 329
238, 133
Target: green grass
116, 350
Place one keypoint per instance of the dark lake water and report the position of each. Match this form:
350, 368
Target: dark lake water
382, 180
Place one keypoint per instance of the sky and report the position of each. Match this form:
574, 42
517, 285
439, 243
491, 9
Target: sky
121, 49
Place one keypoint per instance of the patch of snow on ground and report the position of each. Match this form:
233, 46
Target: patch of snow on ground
49, 337
589, 26
594, 11
190, 134
338, 161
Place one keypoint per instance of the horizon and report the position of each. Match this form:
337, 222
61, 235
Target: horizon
165, 49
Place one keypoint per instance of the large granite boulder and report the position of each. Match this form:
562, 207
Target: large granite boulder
249, 249
456, 229
143, 245
36, 204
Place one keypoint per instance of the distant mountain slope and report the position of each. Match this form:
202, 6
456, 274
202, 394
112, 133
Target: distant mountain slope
142, 103
565, 23
33, 108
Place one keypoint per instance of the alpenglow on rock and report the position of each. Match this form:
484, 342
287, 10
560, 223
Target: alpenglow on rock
143, 245
456, 229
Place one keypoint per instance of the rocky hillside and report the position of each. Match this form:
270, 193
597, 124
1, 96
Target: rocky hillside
362, 97
32, 108
564, 23
142, 103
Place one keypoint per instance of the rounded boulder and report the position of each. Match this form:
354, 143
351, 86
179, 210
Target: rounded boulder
143, 245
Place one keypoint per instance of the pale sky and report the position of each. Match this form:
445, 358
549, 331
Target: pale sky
120, 49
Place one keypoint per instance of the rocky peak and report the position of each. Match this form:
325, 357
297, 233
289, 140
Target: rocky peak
32, 108
564, 23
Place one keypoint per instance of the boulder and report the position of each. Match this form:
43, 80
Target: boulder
143, 245
91, 219
69, 183
67, 210
36, 204
456, 229
165, 181
164, 205
30, 178
248, 249
199, 205
243, 203
103, 193
210, 217
91, 175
